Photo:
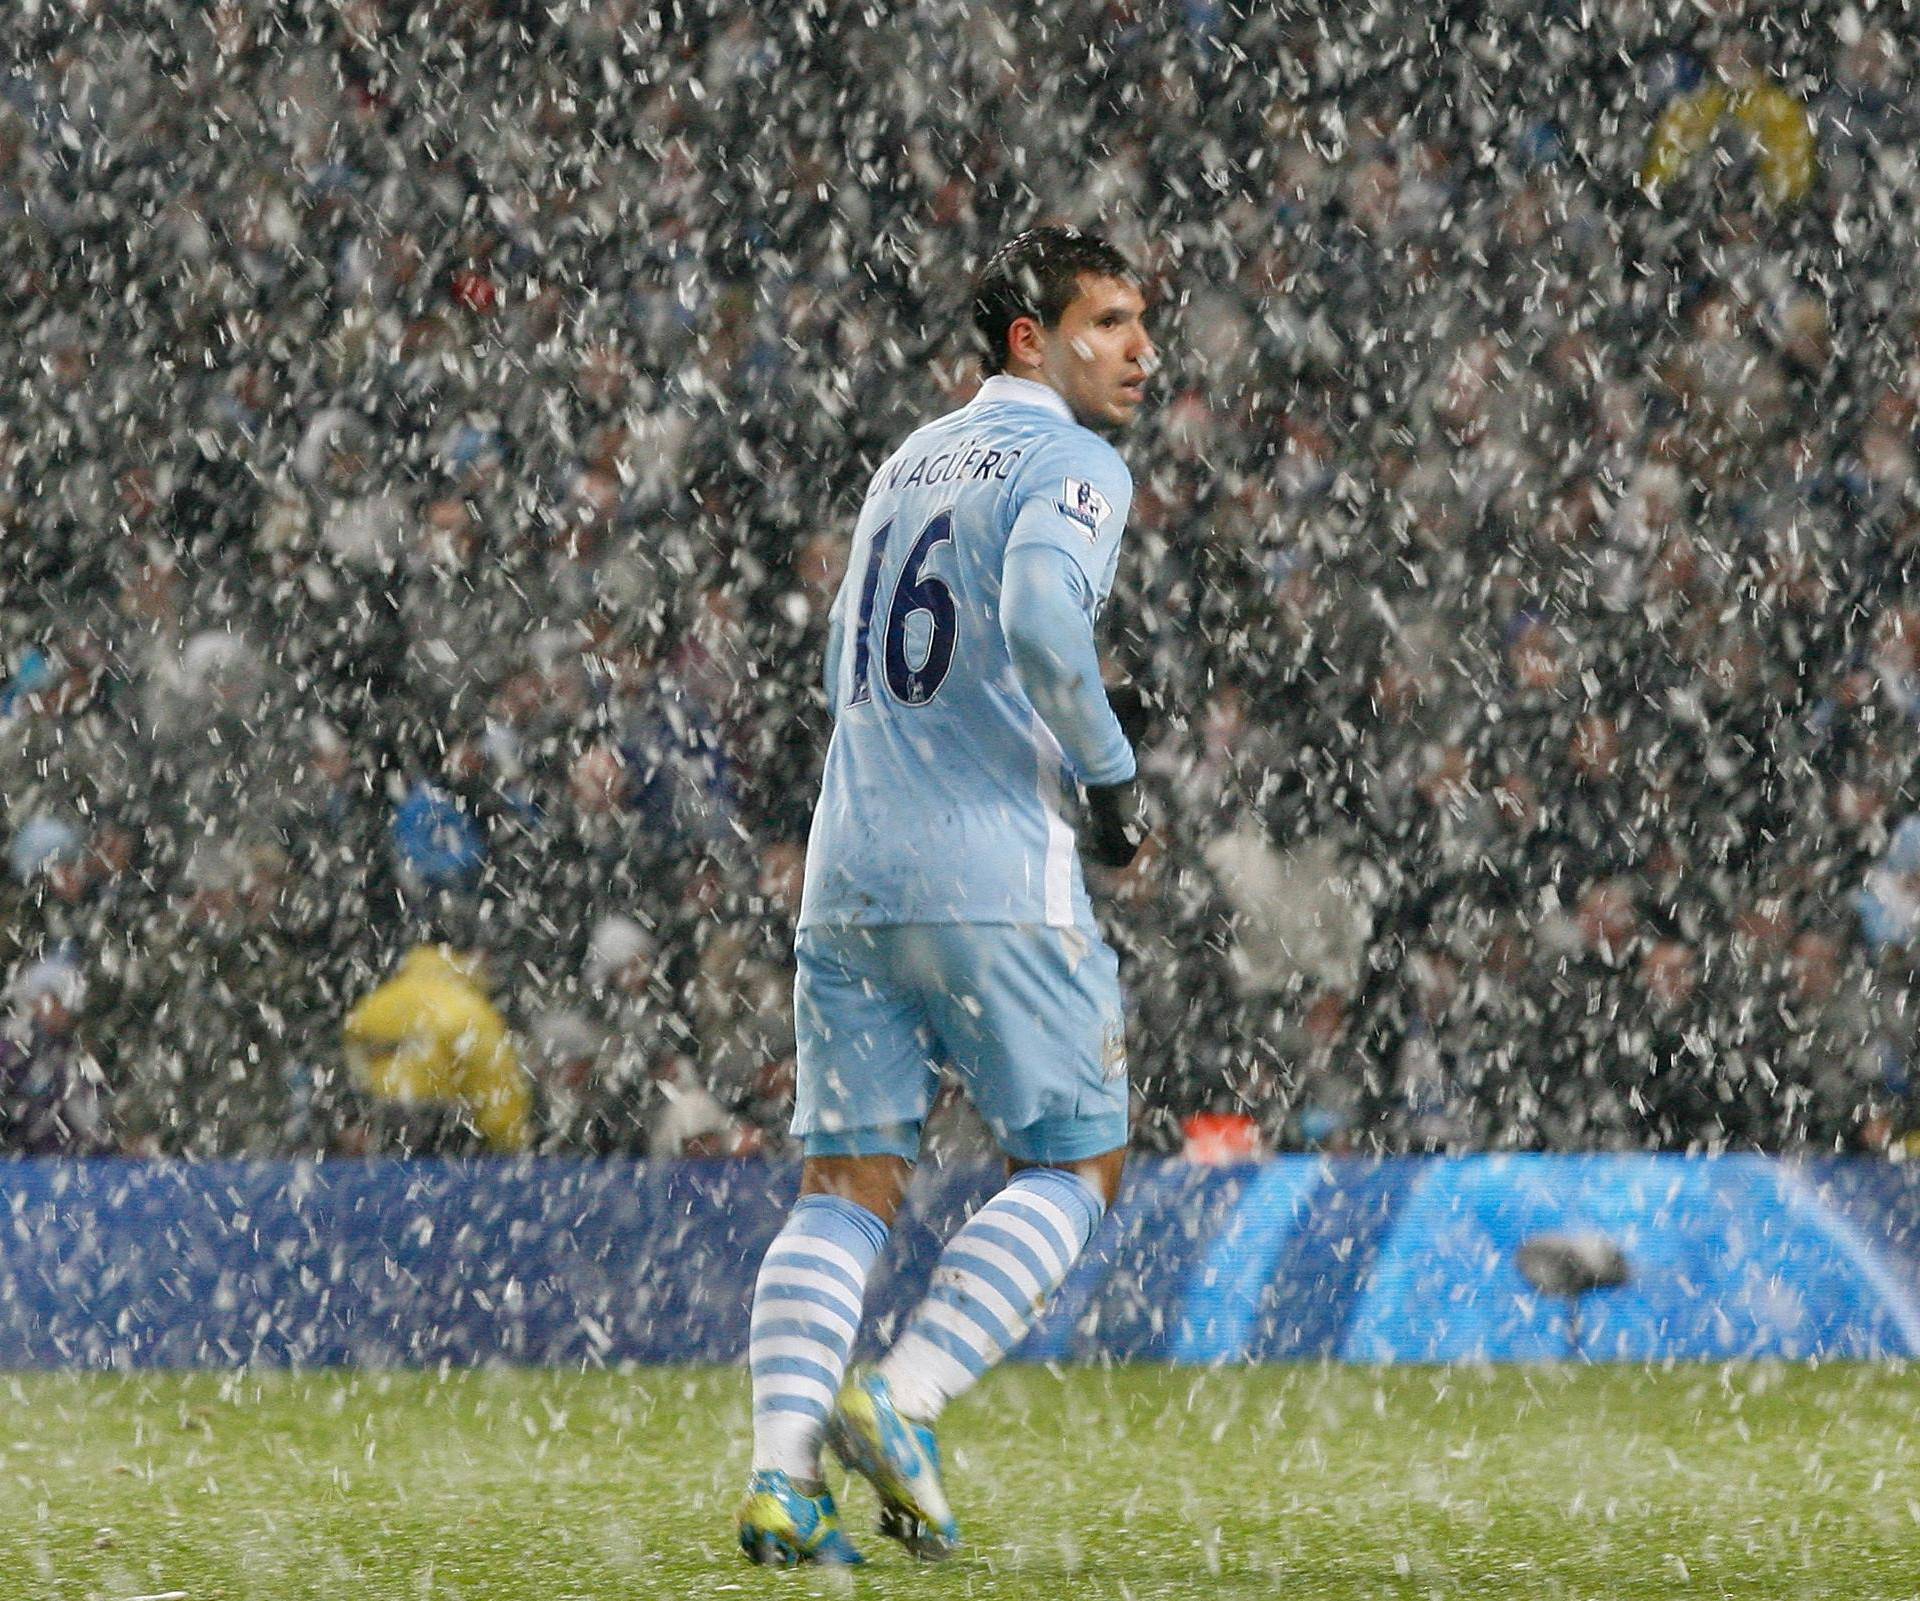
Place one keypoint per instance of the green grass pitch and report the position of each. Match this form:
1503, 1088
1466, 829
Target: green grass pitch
1307, 1481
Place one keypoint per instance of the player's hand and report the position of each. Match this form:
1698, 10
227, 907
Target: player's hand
1136, 884
1129, 703
1116, 823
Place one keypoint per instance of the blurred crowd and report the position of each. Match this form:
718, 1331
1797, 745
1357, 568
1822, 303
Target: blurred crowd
433, 433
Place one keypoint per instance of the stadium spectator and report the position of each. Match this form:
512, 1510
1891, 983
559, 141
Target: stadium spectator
53, 1096
456, 484
580, 1106
1889, 901
439, 1069
689, 1119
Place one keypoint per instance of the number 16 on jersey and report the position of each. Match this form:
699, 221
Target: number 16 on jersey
915, 591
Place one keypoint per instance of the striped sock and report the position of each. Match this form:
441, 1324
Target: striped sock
806, 1311
989, 1285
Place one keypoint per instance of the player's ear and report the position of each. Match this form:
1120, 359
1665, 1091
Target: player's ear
1023, 341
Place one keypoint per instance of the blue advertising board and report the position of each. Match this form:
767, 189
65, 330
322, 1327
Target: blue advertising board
114, 1264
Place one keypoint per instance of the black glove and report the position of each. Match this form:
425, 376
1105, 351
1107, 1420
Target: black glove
1129, 703
1116, 825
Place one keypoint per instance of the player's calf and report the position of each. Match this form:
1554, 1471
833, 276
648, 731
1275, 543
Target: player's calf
991, 1282
806, 1314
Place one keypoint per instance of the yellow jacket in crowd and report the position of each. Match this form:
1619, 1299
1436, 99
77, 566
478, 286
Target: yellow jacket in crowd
1777, 121
429, 1034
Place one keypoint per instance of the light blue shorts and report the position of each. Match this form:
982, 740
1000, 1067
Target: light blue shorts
1029, 1016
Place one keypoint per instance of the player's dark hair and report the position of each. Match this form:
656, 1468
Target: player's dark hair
1036, 274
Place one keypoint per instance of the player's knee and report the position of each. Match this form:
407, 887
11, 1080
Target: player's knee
1103, 1174
878, 1183
1094, 1182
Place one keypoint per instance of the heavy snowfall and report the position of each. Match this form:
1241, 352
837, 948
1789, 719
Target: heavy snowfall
431, 438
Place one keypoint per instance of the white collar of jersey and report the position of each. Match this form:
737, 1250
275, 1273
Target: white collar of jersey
1004, 389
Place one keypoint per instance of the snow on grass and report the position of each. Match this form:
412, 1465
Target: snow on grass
1334, 1482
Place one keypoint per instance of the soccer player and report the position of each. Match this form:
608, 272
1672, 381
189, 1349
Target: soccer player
945, 916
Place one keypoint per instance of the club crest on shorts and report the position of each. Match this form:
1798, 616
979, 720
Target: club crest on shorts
1085, 505
1113, 1050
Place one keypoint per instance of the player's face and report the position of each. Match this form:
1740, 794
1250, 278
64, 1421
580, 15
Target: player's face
1099, 356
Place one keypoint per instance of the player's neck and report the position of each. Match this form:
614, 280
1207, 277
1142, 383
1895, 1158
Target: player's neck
1018, 389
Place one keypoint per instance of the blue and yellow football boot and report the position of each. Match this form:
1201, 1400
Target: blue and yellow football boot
901, 1460
781, 1528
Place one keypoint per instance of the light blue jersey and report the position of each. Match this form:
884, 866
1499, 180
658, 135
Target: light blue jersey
941, 797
